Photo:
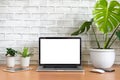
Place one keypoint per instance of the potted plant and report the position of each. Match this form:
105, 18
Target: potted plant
106, 17
11, 53
25, 57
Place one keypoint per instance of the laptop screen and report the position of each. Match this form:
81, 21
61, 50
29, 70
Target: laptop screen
60, 50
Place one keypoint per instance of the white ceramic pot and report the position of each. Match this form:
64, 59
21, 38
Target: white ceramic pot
102, 58
25, 62
10, 61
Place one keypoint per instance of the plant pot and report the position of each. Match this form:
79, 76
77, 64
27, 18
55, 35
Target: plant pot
25, 61
10, 61
102, 58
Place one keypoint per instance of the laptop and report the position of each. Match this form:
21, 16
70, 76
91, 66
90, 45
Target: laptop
60, 54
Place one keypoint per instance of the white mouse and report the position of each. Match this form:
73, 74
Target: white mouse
98, 71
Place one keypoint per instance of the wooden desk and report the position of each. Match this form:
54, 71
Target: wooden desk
33, 75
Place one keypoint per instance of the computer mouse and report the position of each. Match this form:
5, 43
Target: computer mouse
98, 71
107, 69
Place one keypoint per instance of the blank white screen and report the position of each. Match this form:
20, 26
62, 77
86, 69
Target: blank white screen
60, 51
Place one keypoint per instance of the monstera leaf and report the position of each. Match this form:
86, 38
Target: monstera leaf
106, 15
118, 34
83, 28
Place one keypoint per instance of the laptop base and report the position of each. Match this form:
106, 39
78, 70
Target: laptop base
41, 68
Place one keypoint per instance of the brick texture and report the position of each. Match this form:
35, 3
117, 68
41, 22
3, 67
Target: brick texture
22, 22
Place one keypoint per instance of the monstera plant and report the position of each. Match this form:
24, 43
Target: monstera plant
106, 17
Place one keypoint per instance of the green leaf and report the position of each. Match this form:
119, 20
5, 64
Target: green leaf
83, 28
118, 34
76, 32
25, 51
10, 52
106, 15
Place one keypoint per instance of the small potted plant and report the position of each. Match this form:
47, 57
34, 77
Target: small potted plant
25, 57
11, 53
106, 18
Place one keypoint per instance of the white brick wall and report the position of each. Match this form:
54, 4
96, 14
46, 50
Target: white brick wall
22, 22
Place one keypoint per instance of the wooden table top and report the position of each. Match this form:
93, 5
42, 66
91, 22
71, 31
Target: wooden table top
86, 75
